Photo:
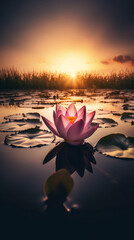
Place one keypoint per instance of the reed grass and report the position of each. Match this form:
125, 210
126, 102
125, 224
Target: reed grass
12, 79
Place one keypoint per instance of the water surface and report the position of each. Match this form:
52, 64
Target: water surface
104, 195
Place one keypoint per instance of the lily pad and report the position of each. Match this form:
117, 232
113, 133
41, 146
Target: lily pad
17, 126
106, 122
37, 104
59, 184
128, 107
20, 122
117, 145
102, 112
127, 116
23, 116
116, 113
33, 137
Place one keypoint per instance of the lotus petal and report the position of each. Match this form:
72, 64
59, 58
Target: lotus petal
58, 113
81, 110
75, 130
82, 114
74, 126
60, 108
89, 132
62, 126
55, 117
89, 119
71, 111
51, 126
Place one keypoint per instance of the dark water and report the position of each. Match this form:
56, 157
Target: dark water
102, 200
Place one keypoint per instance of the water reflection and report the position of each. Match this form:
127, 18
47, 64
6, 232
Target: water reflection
58, 186
72, 158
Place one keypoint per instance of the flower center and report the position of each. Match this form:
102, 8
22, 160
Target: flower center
71, 119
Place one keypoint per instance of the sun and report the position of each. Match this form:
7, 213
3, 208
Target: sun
72, 74
71, 64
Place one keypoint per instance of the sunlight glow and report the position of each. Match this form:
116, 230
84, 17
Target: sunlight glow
73, 74
71, 64
62, 45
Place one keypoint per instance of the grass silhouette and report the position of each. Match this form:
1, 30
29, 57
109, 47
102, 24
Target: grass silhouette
12, 79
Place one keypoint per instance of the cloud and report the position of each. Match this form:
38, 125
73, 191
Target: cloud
120, 59
124, 59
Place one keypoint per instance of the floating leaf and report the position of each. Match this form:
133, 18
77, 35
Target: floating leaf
18, 126
20, 122
102, 112
59, 184
117, 145
128, 106
116, 113
33, 137
36, 104
23, 116
127, 116
106, 122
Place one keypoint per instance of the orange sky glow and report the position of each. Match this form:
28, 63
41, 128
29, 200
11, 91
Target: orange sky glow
62, 45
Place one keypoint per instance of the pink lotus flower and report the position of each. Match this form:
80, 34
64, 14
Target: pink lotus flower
72, 125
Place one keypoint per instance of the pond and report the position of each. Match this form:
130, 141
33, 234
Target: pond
102, 186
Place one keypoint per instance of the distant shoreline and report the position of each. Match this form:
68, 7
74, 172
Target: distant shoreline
13, 80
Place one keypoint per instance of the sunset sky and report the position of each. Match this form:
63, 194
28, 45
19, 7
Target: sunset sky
67, 36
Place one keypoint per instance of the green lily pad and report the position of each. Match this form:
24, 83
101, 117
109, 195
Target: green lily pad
33, 137
116, 145
59, 184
